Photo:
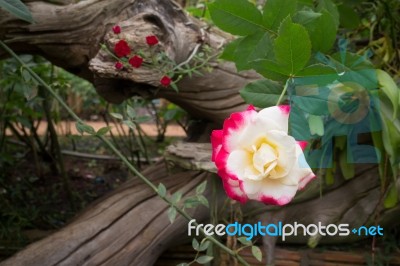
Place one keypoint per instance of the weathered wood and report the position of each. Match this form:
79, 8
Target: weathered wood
130, 227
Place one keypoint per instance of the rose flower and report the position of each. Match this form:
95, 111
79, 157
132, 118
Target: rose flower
257, 159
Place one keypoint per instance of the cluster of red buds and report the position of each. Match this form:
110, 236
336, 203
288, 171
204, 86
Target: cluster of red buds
122, 49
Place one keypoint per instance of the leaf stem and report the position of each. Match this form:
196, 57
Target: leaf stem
283, 92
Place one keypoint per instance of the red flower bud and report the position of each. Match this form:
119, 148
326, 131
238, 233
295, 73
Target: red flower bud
151, 40
116, 29
122, 48
165, 81
136, 61
119, 65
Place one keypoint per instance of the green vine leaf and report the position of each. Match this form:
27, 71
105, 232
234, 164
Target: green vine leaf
239, 17
18, 9
162, 190
84, 128
292, 47
256, 251
204, 259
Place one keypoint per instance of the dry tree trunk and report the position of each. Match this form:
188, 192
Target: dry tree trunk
130, 226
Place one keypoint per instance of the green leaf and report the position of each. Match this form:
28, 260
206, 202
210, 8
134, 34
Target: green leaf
316, 70
331, 8
316, 125
191, 202
204, 245
195, 244
162, 190
253, 47
275, 11
117, 116
322, 32
102, 131
304, 17
204, 259
244, 241
26, 75
262, 93
389, 88
201, 188
347, 168
18, 9
84, 128
292, 47
269, 69
176, 197
256, 251
203, 200
239, 17
391, 198
229, 50
172, 214
130, 124
348, 17
130, 112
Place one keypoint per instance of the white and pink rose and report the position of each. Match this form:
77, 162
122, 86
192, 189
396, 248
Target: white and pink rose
257, 159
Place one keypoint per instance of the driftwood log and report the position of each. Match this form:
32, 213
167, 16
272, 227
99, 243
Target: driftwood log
130, 226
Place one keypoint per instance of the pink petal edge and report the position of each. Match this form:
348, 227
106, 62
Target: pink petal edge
303, 144
285, 109
276, 201
305, 180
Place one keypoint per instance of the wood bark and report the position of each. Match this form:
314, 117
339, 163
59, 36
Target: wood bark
130, 226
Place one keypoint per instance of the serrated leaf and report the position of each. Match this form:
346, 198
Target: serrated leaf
253, 47
117, 116
331, 8
292, 47
172, 214
256, 251
18, 9
244, 241
304, 17
316, 125
84, 128
176, 197
102, 131
162, 190
229, 50
204, 259
130, 112
203, 200
201, 188
195, 244
262, 93
239, 17
316, 70
322, 32
269, 69
275, 11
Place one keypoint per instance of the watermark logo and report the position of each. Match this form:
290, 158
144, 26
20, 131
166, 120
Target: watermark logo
281, 230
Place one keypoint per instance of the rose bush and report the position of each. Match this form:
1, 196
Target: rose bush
257, 159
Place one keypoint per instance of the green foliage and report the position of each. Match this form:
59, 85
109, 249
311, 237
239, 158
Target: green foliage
262, 93
18, 9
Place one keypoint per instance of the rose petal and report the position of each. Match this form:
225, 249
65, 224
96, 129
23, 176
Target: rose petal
238, 164
269, 191
234, 192
277, 117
